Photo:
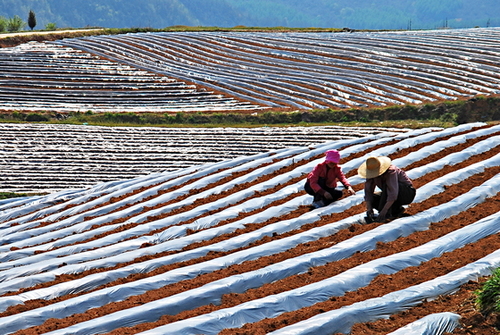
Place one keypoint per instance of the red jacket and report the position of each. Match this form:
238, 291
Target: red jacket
331, 176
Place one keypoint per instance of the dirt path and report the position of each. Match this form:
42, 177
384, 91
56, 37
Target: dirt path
37, 32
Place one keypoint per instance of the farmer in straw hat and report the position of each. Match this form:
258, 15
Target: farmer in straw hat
322, 180
396, 188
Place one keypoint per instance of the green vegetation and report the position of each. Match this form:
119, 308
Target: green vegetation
3, 23
15, 24
8, 195
445, 114
12, 24
488, 297
51, 26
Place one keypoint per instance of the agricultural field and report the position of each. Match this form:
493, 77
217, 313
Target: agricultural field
45, 158
249, 71
208, 230
233, 247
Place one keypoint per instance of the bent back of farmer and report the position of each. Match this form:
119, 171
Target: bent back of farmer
396, 188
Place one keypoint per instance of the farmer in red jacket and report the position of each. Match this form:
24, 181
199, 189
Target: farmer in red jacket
322, 181
396, 189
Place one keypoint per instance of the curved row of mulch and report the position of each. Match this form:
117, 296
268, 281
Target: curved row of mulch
456, 259
399, 154
252, 227
349, 233
221, 195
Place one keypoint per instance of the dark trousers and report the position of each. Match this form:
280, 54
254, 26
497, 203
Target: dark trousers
405, 196
336, 194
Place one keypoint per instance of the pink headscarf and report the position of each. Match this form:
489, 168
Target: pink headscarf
332, 156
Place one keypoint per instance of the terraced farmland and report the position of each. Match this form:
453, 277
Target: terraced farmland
39, 76
42, 158
233, 247
227, 71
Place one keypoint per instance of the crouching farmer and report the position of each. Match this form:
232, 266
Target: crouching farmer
322, 180
396, 188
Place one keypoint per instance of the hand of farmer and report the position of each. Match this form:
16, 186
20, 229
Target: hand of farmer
350, 190
382, 216
328, 196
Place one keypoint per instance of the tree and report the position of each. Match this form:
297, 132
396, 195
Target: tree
3, 23
31, 19
15, 24
50, 26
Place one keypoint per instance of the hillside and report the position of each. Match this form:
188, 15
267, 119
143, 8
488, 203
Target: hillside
358, 14
234, 248
203, 231
249, 71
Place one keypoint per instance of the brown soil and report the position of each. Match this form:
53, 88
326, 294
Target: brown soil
462, 302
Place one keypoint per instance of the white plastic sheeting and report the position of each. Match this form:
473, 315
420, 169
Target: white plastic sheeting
454, 158
39, 235
131, 89
18, 238
411, 142
83, 202
379, 71
15, 202
349, 280
341, 320
255, 70
225, 48
47, 293
38, 203
433, 324
81, 197
302, 297
42, 158
203, 235
175, 231
245, 65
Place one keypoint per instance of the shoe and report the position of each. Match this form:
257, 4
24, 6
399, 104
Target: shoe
318, 204
371, 218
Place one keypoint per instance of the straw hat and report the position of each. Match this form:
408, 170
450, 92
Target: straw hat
374, 167
332, 156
